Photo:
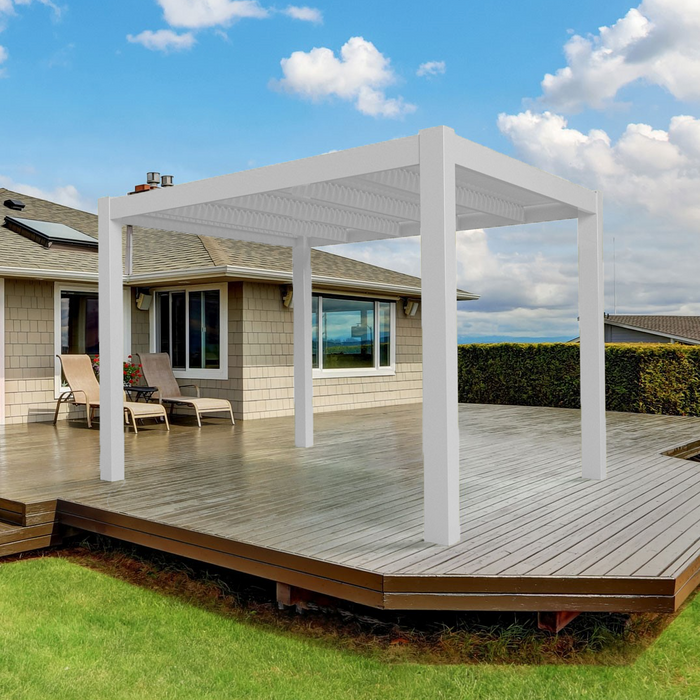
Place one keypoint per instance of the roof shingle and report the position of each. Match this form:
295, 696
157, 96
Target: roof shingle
165, 251
678, 326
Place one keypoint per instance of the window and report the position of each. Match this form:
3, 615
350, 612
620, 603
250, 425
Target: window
76, 324
79, 322
352, 336
190, 325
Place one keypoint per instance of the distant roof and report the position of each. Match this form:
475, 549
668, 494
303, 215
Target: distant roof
676, 327
160, 255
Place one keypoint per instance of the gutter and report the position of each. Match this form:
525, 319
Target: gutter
47, 274
263, 275
231, 271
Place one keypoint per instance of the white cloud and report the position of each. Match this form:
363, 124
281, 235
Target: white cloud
647, 169
163, 40
3, 54
431, 68
8, 7
305, 14
656, 42
359, 75
198, 14
67, 195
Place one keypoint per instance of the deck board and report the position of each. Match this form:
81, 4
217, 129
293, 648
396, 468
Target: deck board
530, 522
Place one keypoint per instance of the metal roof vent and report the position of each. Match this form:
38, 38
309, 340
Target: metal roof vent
166, 181
15, 204
153, 178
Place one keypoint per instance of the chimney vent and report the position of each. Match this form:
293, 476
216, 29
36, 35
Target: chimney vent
153, 178
166, 181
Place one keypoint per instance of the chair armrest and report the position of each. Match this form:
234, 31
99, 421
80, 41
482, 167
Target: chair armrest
82, 393
191, 386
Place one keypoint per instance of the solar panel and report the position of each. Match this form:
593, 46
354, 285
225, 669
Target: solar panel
47, 233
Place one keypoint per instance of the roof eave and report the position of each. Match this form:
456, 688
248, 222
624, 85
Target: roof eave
234, 272
662, 334
48, 274
280, 276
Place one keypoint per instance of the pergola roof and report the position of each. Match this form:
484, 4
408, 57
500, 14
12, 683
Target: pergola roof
362, 194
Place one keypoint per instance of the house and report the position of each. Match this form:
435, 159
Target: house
652, 329
181, 290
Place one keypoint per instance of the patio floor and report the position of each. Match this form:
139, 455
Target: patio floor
344, 518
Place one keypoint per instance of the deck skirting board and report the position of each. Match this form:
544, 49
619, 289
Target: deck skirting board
255, 567
688, 587
545, 602
523, 585
389, 592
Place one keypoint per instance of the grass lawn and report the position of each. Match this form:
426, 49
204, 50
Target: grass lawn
69, 631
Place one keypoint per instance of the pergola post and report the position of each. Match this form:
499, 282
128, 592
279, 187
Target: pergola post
439, 322
592, 343
303, 372
111, 329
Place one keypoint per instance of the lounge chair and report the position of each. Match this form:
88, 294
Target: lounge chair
84, 390
158, 372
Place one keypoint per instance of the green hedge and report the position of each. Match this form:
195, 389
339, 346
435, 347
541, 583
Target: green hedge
640, 378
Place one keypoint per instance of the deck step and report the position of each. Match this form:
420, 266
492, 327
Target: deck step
25, 514
15, 539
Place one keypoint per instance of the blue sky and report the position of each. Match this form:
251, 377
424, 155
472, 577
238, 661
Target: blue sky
92, 103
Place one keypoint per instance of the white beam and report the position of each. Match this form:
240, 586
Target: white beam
398, 153
472, 156
3, 398
307, 211
592, 343
396, 203
303, 373
111, 329
439, 321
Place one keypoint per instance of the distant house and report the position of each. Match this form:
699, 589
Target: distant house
222, 309
652, 329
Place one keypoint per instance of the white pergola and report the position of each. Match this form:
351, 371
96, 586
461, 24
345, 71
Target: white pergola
433, 184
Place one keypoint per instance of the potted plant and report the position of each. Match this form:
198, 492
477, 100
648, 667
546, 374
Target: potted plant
132, 371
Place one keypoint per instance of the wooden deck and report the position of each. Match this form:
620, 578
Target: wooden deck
344, 518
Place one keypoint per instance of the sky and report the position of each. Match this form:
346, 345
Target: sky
605, 94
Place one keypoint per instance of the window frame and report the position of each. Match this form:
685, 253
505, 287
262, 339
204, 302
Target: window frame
376, 371
198, 372
58, 288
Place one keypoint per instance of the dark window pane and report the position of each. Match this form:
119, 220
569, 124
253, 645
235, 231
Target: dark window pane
178, 330
196, 329
79, 323
212, 350
384, 334
314, 332
348, 333
163, 310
